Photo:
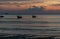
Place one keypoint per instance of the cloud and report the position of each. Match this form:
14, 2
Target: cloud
14, 0
55, 5
52, 0
21, 0
34, 9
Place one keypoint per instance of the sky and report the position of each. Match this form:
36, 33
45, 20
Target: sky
26, 4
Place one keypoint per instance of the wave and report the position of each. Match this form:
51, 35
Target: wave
24, 36
29, 29
10, 33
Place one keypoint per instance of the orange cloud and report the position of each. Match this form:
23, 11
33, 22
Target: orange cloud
29, 5
11, 7
52, 7
18, 6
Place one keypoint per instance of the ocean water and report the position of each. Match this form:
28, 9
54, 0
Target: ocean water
29, 28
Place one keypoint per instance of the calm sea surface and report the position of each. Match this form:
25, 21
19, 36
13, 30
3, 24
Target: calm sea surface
48, 25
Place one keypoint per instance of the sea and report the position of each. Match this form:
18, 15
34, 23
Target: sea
30, 27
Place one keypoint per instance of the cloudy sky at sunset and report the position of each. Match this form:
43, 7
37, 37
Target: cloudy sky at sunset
25, 4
